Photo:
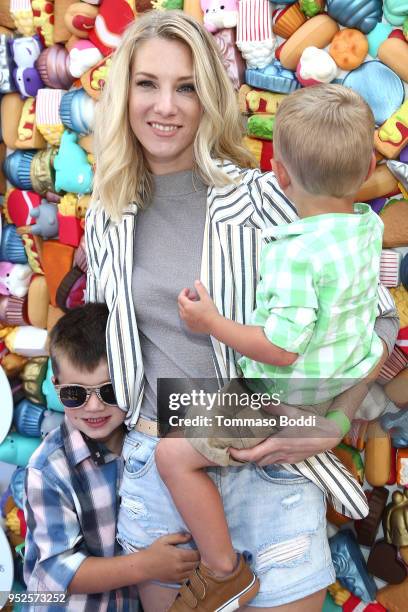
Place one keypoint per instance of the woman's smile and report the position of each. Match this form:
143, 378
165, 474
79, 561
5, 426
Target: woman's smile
164, 128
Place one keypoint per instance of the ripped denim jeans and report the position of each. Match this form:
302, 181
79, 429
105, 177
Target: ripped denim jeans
276, 518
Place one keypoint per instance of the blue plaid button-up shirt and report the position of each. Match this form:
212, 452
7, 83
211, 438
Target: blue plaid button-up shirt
71, 508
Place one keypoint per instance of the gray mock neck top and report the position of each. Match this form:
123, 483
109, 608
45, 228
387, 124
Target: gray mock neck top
167, 258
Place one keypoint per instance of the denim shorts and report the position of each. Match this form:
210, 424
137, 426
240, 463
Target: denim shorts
276, 518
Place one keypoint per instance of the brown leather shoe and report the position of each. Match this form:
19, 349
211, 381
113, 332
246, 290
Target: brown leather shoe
204, 592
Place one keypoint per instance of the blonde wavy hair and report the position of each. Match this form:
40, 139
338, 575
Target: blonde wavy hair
122, 175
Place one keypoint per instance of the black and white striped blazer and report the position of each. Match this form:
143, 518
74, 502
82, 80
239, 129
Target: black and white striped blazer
236, 216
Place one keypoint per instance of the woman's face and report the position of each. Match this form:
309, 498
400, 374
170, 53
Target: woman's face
164, 109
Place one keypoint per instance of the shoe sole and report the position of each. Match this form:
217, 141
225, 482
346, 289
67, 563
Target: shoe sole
242, 598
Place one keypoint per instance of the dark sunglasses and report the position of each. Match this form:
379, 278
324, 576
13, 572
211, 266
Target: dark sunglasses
76, 396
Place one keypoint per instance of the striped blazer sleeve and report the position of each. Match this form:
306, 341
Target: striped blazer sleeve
94, 224
271, 206
386, 304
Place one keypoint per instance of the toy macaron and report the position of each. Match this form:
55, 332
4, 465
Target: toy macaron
383, 101
348, 48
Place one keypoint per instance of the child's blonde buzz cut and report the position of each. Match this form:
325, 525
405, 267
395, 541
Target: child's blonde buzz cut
324, 136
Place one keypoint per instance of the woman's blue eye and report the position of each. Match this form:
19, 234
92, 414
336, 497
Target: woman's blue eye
187, 88
144, 83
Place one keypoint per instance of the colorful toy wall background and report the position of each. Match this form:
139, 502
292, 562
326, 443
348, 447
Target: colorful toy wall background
54, 60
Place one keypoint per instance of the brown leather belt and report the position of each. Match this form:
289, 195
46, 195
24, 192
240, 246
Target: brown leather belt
150, 428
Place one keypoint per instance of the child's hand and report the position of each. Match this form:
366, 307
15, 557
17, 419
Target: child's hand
198, 315
167, 563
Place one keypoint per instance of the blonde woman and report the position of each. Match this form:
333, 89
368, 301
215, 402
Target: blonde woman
175, 199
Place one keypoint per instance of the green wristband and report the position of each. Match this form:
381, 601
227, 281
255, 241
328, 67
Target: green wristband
341, 419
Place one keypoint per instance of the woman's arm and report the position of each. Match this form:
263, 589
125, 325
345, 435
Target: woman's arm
291, 445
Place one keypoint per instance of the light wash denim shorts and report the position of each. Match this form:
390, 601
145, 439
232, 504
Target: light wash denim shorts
276, 518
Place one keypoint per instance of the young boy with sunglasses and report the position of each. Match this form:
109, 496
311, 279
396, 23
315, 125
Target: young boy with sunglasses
72, 484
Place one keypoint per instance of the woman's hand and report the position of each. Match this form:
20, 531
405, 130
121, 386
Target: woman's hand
293, 443
197, 310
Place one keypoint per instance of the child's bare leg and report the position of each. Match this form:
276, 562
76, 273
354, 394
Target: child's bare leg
156, 598
351, 397
198, 501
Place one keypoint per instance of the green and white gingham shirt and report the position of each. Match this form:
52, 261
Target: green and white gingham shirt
318, 297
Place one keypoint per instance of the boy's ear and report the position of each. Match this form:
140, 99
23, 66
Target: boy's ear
373, 164
281, 174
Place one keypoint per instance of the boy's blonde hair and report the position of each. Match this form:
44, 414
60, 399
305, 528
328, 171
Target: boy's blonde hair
121, 174
324, 135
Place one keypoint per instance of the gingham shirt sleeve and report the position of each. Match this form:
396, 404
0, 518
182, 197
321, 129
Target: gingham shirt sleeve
289, 296
53, 528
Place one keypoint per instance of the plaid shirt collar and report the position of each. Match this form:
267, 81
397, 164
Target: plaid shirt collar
79, 447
